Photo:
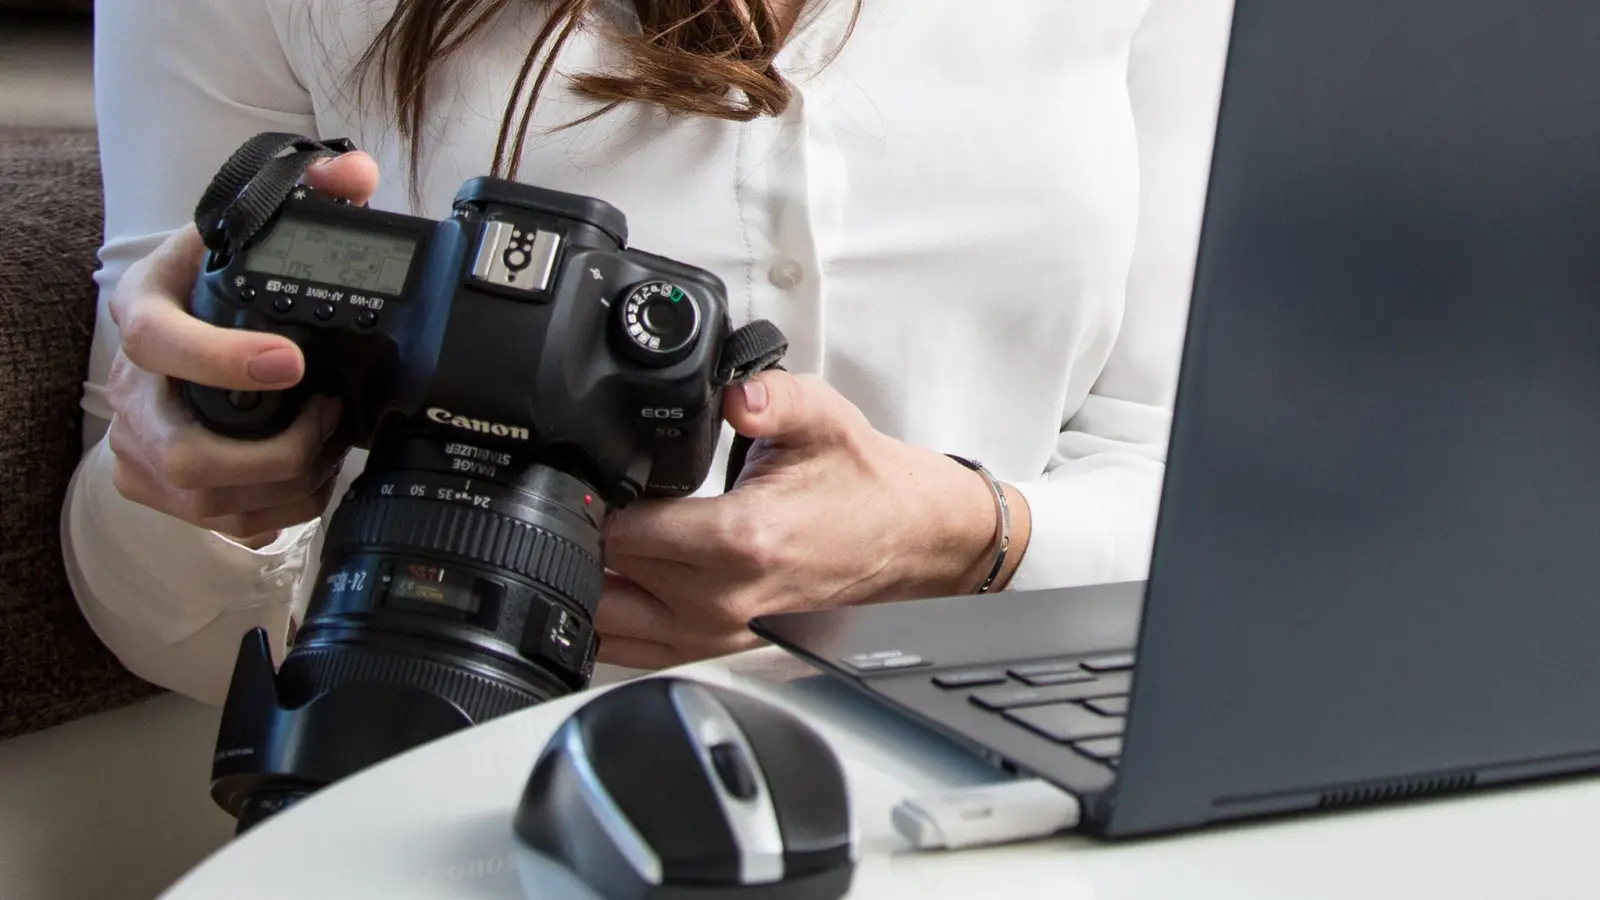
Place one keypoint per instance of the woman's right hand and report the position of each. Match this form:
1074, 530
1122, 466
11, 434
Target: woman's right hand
164, 459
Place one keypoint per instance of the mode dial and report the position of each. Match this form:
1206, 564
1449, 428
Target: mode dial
660, 322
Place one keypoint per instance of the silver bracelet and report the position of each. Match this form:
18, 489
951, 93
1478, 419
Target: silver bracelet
1003, 512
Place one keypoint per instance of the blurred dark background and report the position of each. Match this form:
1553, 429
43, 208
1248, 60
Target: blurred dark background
46, 68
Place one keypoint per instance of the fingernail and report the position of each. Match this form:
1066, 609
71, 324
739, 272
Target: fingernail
321, 161
755, 396
275, 366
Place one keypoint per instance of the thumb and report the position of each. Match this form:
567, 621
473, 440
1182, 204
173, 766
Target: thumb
353, 176
792, 411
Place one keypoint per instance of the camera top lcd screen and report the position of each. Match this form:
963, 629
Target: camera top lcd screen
328, 254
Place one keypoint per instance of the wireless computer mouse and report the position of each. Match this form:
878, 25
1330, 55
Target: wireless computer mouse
671, 788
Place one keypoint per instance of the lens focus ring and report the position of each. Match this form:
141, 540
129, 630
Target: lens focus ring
476, 534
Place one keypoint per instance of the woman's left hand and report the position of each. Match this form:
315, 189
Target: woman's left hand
827, 512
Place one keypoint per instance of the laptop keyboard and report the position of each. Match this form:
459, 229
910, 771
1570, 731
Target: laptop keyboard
1079, 702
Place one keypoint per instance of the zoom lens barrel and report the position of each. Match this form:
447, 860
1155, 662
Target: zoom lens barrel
456, 585
498, 570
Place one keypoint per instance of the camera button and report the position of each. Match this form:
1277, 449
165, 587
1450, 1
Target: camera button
247, 293
786, 274
367, 319
660, 318
324, 310
283, 304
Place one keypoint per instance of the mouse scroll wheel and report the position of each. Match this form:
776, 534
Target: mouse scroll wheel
734, 770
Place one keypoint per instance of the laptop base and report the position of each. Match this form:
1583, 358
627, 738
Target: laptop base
1052, 711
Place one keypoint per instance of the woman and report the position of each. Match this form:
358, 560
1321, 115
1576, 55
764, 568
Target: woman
974, 223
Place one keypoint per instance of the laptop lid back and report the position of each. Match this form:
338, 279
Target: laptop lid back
1377, 570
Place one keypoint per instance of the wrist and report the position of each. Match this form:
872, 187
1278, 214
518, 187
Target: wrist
1021, 533
1009, 530
987, 527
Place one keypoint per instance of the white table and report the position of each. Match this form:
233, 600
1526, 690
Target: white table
435, 823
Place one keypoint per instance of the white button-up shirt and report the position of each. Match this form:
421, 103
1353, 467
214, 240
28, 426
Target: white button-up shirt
978, 223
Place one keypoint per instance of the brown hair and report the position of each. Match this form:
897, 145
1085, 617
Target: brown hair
694, 57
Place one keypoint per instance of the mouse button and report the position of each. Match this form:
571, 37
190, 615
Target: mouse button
733, 770
752, 818
640, 753
805, 781
564, 816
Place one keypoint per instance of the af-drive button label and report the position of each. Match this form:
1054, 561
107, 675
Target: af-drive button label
316, 293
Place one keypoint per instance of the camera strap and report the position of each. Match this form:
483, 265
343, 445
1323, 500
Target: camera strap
253, 183
753, 348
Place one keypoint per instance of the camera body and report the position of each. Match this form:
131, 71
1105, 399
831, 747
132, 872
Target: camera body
515, 372
520, 325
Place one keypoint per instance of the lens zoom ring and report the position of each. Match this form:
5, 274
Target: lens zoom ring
313, 670
474, 533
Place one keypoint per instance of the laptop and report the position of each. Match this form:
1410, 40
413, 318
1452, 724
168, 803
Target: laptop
1376, 568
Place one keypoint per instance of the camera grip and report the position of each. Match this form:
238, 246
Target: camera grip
252, 415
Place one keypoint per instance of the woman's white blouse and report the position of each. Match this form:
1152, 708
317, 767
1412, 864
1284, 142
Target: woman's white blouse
978, 223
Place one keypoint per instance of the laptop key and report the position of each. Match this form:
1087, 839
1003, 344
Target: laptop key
1111, 663
1103, 749
1003, 698
970, 678
1109, 706
1050, 668
1066, 722
1057, 677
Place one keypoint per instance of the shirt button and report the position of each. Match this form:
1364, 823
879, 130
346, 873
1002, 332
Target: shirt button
786, 274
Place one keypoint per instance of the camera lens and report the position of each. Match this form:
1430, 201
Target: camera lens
460, 569
258, 806
457, 584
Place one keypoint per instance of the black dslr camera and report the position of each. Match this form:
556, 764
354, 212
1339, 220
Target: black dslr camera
514, 372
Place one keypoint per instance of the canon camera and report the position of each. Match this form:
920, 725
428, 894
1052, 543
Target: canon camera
514, 371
